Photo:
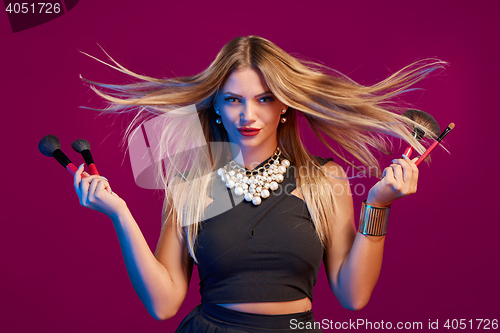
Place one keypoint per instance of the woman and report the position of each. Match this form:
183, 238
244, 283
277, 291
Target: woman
258, 259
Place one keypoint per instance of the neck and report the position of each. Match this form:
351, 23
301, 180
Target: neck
250, 157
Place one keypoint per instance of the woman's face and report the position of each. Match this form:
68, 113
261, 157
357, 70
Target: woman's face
245, 101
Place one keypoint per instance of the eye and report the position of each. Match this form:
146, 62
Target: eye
231, 99
266, 99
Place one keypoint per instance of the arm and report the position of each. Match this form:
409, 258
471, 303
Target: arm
353, 260
160, 282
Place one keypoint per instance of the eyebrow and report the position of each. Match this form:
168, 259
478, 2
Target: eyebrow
256, 96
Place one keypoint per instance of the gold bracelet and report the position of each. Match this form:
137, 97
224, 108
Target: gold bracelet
373, 220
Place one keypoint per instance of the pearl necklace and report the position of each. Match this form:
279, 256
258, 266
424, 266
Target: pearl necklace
255, 184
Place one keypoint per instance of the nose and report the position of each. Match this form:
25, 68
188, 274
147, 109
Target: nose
247, 114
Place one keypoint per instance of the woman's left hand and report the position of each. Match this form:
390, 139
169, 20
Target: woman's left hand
398, 180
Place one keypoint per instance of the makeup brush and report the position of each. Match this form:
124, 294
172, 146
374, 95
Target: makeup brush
51, 147
431, 148
424, 119
83, 147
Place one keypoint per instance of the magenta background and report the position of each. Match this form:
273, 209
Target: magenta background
61, 268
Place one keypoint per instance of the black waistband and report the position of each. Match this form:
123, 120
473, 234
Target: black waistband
222, 314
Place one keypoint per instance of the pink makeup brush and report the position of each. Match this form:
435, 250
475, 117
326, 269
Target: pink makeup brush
431, 148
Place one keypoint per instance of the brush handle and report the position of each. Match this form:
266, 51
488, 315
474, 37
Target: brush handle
427, 152
72, 169
408, 151
87, 156
65, 161
93, 169
61, 158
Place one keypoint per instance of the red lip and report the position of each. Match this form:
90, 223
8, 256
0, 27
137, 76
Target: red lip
248, 131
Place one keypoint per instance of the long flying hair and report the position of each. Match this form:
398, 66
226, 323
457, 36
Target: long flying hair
358, 118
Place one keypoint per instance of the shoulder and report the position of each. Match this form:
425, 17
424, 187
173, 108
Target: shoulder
336, 176
333, 169
323, 160
330, 167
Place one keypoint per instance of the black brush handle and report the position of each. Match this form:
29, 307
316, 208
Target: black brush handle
445, 133
61, 157
87, 156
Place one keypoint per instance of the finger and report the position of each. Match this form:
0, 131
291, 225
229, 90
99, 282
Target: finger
105, 182
77, 177
389, 175
92, 189
415, 174
398, 175
412, 163
102, 184
407, 171
410, 175
414, 167
84, 188
108, 188
414, 186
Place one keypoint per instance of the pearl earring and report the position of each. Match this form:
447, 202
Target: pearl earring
283, 119
218, 121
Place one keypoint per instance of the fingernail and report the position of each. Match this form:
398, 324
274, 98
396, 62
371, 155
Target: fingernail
81, 165
405, 157
393, 160
106, 179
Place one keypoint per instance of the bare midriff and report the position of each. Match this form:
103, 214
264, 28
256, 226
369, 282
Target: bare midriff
271, 308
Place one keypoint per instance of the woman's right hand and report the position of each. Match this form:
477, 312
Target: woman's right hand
95, 193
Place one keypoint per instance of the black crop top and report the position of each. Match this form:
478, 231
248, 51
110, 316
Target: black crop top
264, 253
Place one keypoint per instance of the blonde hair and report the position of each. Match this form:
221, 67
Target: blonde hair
356, 117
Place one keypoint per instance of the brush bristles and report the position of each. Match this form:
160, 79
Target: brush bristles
424, 119
451, 126
48, 145
80, 145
